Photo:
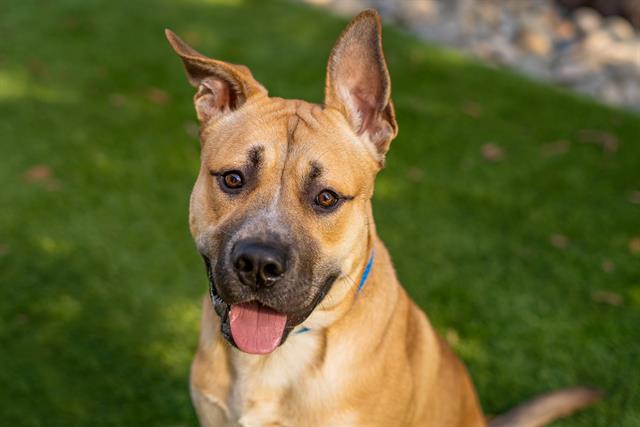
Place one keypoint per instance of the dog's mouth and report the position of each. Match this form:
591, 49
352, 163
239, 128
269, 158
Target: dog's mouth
252, 326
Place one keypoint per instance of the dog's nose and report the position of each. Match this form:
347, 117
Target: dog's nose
258, 264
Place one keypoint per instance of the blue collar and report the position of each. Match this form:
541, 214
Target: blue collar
366, 272
363, 280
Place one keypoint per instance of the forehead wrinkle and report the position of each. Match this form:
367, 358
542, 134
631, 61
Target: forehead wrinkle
292, 126
307, 114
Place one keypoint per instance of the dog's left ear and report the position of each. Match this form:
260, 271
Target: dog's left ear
221, 87
358, 82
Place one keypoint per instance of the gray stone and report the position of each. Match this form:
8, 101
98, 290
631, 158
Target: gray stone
597, 43
631, 90
569, 68
619, 28
535, 41
564, 30
623, 72
587, 20
417, 13
625, 52
612, 94
347, 7
509, 25
591, 84
497, 50
534, 67
390, 10
488, 15
601, 47
446, 32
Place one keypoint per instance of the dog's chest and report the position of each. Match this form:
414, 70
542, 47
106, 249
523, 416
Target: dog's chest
279, 389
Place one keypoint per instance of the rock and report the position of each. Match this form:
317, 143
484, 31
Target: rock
612, 94
477, 22
348, 8
318, 2
564, 30
596, 43
488, 15
591, 84
627, 78
509, 26
445, 32
587, 20
619, 28
417, 13
533, 18
625, 53
388, 9
631, 90
535, 67
496, 50
602, 48
567, 69
535, 41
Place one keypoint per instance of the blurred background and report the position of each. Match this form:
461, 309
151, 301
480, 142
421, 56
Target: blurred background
510, 201
590, 46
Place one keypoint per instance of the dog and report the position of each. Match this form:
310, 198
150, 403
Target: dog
306, 323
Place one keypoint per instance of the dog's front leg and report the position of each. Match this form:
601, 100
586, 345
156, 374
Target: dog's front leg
210, 413
210, 377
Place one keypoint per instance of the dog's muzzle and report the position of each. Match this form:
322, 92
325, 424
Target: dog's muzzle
224, 309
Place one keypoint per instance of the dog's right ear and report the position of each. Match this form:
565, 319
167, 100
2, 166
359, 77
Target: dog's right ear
221, 87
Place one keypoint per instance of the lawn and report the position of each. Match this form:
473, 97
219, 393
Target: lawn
511, 210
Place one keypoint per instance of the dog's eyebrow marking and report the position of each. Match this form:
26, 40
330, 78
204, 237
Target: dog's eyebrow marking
315, 172
255, 155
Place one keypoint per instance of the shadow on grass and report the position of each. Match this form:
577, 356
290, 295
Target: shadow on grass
84, 348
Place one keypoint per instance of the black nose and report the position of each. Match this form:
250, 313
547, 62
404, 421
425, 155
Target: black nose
258, 264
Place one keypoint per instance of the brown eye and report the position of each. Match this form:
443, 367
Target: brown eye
233, 180
327, 199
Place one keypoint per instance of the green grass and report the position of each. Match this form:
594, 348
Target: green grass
99, 278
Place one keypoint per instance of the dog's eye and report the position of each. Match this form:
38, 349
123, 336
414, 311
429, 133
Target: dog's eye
232, 180
327, 199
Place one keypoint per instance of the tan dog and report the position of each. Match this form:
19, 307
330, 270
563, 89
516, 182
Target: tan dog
307, 324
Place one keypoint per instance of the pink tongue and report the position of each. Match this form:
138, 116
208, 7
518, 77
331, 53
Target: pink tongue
256, 328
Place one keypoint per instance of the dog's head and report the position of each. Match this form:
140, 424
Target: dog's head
280, 210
